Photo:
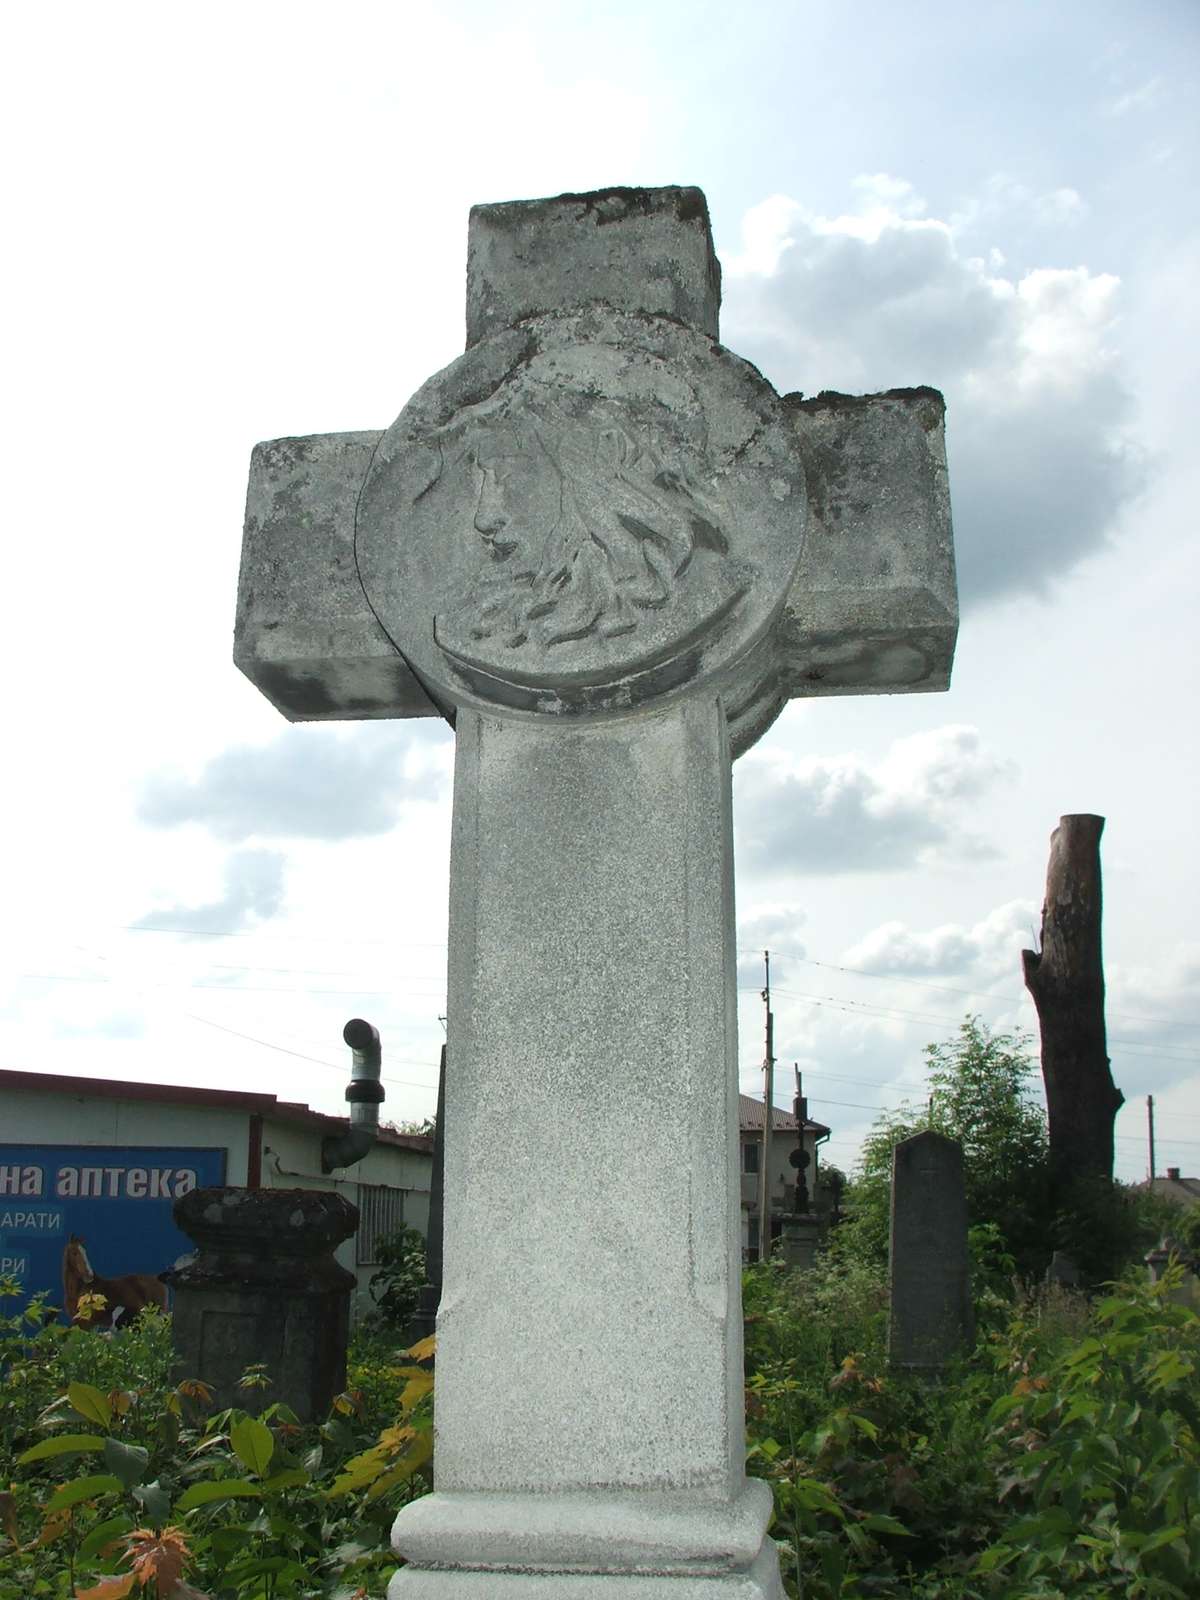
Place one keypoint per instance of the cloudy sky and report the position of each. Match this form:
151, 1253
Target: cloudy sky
241, 222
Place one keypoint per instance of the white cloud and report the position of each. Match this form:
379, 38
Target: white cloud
1042, 460
991, 945
253, 894
1061, 205
1153, 1017
311, 782
772, 927
1144, 97
841, 814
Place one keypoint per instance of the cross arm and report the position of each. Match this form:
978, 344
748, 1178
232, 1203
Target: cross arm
872, 608
305, 635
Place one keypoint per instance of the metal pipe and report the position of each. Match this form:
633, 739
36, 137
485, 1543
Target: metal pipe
365, 1094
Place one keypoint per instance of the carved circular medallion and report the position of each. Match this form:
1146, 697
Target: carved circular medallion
583, 513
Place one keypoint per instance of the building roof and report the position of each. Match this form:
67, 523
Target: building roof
1184, 1191
750, 1118
264, 1105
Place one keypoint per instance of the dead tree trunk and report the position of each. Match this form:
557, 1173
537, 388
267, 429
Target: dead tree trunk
1066, 980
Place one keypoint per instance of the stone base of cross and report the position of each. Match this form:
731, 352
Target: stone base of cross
605, 549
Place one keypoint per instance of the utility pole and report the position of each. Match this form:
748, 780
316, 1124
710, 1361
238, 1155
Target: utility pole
1150, 1130
764, 1165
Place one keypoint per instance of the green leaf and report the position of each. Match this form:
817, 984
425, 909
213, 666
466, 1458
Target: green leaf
80, 1489
227, 1541
253, 1443
126, 1461
104, 1533
878, 1523
154, 1500
996, 1555
206, 1494
62, 1444
1162, 1537
90, 1403
289, 1478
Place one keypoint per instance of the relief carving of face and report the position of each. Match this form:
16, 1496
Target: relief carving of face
582, 514
586, 533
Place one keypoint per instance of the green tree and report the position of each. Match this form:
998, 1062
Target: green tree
396, 1286
980, 1094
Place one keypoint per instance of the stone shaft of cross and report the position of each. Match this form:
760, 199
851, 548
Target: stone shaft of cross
606, 549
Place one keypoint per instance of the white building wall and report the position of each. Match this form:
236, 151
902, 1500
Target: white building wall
291, 1156
292, 1160
33, 1117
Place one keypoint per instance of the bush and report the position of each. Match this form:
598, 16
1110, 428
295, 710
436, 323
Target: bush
1060, 1458
981, 1097
1097, 1455
396, 1286
123, 1482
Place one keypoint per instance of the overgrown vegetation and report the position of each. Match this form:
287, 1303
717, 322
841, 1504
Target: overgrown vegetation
122, 1482
1059, 1458
981, 1093
396, 1284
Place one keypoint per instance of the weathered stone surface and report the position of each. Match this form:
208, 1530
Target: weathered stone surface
801, 1239
610, 552
638, 250
871, 608
583, 514
305, 634
264, 1289
759, 1581
930, 1280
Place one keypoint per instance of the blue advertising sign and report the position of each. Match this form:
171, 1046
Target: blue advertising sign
116, 1198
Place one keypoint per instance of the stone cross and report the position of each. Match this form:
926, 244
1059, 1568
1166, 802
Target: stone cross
603, 547
931, 1315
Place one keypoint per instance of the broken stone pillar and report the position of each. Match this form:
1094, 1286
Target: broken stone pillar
607, 551
264, 1289
930, 1279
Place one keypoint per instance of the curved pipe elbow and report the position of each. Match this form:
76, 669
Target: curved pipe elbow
365, 1094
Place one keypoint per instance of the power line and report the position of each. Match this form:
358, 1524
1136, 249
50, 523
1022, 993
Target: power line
979, 994
300, 1055
1146, 1047
410, 944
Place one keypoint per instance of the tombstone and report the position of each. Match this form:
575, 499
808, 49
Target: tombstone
605, 549
930, 1280
801, 1240
1185, 1292
264, 1289
1063, 1271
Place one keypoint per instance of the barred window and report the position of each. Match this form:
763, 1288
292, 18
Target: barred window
381, 1212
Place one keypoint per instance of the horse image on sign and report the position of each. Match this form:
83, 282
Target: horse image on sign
119, 1199
122, 1297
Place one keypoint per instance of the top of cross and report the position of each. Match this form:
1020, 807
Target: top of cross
636, 250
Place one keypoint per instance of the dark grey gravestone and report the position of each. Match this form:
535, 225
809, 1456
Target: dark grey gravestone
264, 1289
930, 1281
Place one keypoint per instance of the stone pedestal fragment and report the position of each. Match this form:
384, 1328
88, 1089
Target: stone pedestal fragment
264, 1290
605, 549
930, 1279
801, 1238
